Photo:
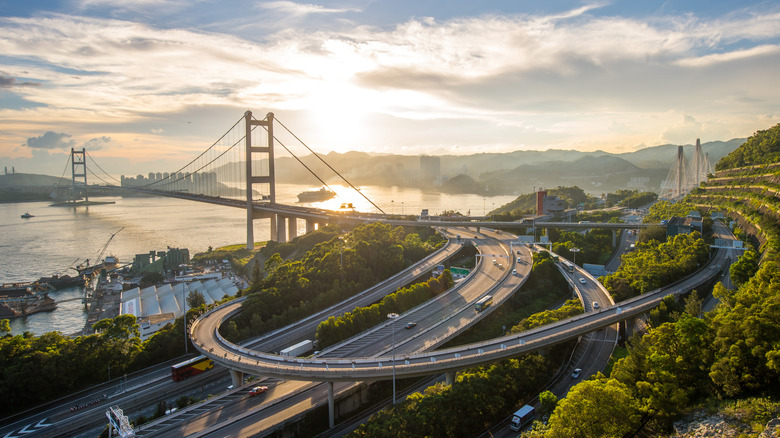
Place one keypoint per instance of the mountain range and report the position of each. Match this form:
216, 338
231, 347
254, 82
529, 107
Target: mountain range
502, 173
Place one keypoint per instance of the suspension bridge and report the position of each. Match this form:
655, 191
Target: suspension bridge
237, 170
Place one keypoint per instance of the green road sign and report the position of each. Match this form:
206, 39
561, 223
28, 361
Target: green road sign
459, 271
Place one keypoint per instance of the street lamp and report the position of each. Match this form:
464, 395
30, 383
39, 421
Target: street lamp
575, 251
341, 261
393, 316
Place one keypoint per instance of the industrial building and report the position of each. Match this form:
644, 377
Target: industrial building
156, 306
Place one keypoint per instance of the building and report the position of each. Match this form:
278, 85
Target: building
549, 204
160, 261
430, 170
156, 306
682, 225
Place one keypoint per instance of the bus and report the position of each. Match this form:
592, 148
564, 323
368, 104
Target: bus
556, 258
189, 368
568, 265
483, 303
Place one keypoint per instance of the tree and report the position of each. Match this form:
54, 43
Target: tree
5, 326
195, 299
744, 268
548, 401
601, 407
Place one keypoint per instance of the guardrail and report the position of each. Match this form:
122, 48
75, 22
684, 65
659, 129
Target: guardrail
363, 368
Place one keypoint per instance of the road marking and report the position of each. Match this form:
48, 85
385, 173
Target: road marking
43, 425
24, 429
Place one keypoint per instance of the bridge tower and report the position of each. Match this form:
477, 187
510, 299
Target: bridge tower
78, 170
252, 179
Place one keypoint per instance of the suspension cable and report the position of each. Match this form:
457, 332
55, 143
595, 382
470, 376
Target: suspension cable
106, 173
62, 177
329, 166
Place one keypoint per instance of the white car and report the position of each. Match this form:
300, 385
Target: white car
582, 280
595, 305
576, 373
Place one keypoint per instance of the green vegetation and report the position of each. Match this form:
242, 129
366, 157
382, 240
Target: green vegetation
337, 329
763, 147
655, 264
663, 210
572, 307
594, 247
630, 198
544, 288
526, 204
237, 255
295, 288
488, 392
478, 398
34, 369
689, 359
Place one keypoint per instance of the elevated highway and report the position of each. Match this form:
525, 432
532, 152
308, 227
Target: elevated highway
208, 340
266, 209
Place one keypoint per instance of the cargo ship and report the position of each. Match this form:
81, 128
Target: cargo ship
320, 195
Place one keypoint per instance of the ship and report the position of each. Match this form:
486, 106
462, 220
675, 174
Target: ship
27, 215
320, 195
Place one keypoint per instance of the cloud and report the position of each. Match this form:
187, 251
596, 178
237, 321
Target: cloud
50, 140
574, 75
727, 57
97, 143
300, 9
7, 81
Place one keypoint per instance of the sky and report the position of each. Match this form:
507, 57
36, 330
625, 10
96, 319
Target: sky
146, 85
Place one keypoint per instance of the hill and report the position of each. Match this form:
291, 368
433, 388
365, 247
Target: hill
504, 173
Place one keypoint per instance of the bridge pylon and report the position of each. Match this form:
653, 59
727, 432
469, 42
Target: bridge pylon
252, 179
78, 160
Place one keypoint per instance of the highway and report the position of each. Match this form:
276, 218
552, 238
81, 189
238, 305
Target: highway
431, 321
609, 314
134, 394
208, 341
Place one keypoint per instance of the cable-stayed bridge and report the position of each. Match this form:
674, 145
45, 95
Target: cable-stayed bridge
686, 176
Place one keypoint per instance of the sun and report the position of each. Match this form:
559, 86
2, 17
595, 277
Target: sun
338, 118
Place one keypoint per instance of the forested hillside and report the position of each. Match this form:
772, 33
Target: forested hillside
727, 360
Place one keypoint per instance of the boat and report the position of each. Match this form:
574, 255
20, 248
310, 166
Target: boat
27, 215
320, 195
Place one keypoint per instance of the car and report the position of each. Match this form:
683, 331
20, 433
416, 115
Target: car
576, 373
410, 325
582, 280
257, 390
514, 271
595, 305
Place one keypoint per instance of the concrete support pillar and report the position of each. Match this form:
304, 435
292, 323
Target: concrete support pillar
477, 229
292, 228
331, 407
274, 233
237, 377
614, 238
310, 226
281, 229
449, 377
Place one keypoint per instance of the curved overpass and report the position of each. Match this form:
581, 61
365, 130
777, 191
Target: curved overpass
206, 338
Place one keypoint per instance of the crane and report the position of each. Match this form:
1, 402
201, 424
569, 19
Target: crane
85, 266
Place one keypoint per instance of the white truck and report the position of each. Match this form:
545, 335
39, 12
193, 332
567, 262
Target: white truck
298, 349
522, 417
